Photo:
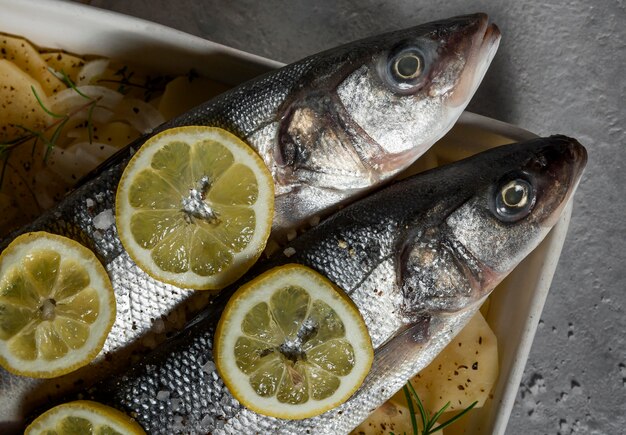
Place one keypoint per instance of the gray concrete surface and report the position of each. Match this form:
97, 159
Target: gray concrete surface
560, 69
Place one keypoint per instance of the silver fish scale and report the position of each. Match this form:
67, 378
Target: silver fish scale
353, 246
204, 399
257, 103
140, 300
206, 406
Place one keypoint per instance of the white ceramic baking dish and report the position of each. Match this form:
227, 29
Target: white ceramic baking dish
517, 303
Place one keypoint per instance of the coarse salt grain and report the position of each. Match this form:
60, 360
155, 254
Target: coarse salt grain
208, 367
89, 202
163, 395
176, 403
178, 422
314, 221
206, 421
158, 326
104, 220
289, 252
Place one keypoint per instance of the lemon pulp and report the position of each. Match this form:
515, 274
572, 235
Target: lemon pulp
194, 207
290, 345
56, 305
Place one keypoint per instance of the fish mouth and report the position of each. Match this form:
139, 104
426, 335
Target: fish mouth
573, 162
579, 159
485, 39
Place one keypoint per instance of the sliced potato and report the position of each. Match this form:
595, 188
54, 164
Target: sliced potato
116, 134
464, 372
61, 61
181, 94
392, 416
27, 58
18, 106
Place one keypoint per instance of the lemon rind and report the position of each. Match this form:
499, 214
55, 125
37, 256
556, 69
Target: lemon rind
263, 213
92, 411
264, 286
40, 368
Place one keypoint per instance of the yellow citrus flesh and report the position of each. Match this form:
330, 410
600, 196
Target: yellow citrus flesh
83, 417
57, 305
289, 344
194, 207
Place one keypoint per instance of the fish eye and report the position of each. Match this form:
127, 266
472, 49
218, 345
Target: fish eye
514, 200
407, 66
405, 70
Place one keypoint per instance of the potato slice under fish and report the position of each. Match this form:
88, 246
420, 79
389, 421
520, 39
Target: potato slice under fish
464, 372
182, 93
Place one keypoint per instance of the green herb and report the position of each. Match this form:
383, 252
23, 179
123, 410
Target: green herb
48, 111
55, 127
5, 153
428, 421
61, 75
150, 86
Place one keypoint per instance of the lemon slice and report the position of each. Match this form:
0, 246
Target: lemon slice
56, 305
291, 345
194, 207
83, 417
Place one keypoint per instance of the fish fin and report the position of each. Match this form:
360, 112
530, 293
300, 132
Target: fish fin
403, 346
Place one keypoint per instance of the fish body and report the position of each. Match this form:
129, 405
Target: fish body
417, 258
329, 127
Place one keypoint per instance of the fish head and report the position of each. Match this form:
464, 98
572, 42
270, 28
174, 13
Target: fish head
365, 111
496, 207
408, 88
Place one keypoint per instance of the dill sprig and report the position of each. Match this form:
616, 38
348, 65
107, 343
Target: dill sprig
150, 86
428, 421
55, 127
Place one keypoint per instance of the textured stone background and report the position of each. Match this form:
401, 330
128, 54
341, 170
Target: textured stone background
560, 69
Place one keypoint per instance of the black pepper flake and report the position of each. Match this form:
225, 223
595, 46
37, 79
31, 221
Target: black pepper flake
475, 366
461, 387
4, 50
135, 109
480, 340
59, 57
